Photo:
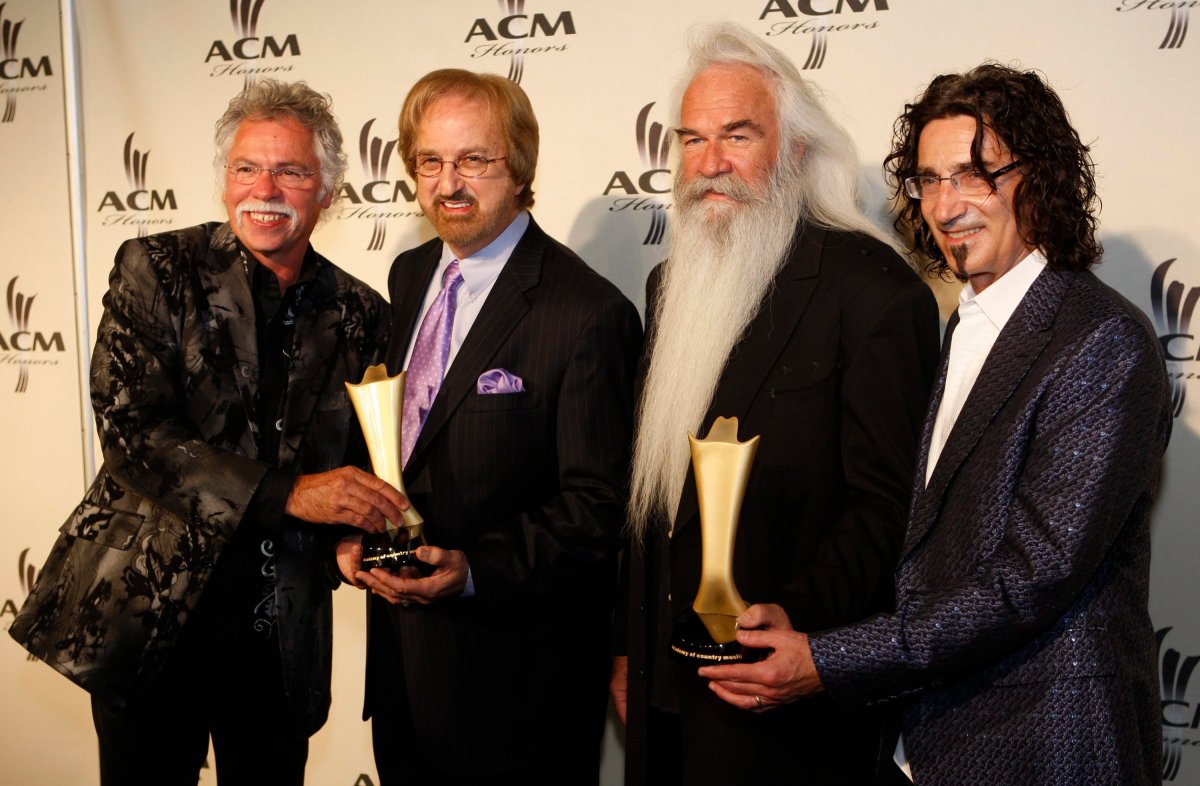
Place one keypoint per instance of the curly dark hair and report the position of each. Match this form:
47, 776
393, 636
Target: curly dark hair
1055, 201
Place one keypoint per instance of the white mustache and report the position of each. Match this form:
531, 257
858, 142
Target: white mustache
258, 206
688, 193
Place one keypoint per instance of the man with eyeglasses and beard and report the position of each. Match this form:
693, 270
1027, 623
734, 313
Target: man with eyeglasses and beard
783, 305
492, 668
1021, 648
190, 591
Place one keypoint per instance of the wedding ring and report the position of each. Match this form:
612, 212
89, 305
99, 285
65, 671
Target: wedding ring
759, 701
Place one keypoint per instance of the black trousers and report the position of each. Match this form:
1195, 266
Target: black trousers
400, 761
162, 740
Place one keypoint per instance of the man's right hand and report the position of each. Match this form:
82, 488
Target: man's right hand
346, 495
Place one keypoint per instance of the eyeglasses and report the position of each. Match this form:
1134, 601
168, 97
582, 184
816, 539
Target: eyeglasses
247, 175
468, 166
971, 183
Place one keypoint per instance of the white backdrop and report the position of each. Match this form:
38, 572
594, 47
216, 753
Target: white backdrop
151, 78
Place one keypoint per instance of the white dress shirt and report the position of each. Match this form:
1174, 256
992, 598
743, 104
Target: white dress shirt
479, 272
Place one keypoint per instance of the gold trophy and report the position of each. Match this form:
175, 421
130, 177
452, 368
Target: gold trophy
721, 466
379, 402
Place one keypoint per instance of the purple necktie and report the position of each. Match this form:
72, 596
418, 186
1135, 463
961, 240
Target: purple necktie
427, 366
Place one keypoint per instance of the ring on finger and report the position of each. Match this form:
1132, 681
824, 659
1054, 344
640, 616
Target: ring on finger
758, 700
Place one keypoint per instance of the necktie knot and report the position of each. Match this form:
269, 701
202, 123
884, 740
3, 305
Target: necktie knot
452, 278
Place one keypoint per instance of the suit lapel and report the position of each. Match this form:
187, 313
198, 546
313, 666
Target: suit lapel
756, 354
406, 310
921, 502
1020, 343
227, 289
315, 339
505, 307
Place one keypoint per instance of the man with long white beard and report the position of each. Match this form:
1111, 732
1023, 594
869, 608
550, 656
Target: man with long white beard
780, 304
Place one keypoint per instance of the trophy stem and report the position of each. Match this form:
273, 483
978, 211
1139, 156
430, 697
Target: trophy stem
379, 403
721, 466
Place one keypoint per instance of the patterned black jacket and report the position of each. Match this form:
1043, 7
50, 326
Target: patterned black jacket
174, 382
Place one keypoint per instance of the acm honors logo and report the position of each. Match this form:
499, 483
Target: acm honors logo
1174, 304
820, 19
515, 34
17, 73
248, 54
1180, 717
1177, 24
377, 198
642, 191
139, 206
23, 346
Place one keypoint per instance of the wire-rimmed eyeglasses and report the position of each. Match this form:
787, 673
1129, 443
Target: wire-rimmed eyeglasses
970, 182
248, 174
472, 165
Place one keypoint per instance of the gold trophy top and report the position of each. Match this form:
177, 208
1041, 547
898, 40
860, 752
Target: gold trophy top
722, 468
379, 402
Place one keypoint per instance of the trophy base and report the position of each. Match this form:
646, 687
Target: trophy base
380, 551
691, 642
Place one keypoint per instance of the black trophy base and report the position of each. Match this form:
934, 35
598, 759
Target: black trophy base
380, 550
691, 642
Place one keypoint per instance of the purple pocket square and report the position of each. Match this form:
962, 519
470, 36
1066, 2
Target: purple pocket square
498, 380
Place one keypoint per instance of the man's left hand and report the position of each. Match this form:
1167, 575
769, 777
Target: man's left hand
784, 676
448, 580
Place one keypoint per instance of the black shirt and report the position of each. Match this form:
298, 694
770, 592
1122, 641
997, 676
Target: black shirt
230, 642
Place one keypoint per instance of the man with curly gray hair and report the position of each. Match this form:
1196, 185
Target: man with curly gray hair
189, 592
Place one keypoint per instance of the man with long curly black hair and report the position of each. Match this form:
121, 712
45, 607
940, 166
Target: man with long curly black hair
1020, 650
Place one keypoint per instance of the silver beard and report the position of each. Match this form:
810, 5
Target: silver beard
722, 261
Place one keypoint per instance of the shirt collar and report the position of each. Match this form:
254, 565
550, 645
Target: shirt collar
308, 267
480, 269
1001, 298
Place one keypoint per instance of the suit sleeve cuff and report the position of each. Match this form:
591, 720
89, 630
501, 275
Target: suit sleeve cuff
269, 500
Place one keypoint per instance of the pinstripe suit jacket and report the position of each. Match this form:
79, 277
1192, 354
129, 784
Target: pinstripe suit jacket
531, 487
1021, 649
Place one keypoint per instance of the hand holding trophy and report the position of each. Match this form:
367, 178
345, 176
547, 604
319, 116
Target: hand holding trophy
379, 403
721, 464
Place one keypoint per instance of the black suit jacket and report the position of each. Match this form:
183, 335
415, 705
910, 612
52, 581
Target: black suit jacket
175, 379
1021, 649
531, 487
834, 374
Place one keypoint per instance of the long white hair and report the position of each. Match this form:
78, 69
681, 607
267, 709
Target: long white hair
724, 257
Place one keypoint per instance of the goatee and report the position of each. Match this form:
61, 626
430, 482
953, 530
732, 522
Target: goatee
960, 254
